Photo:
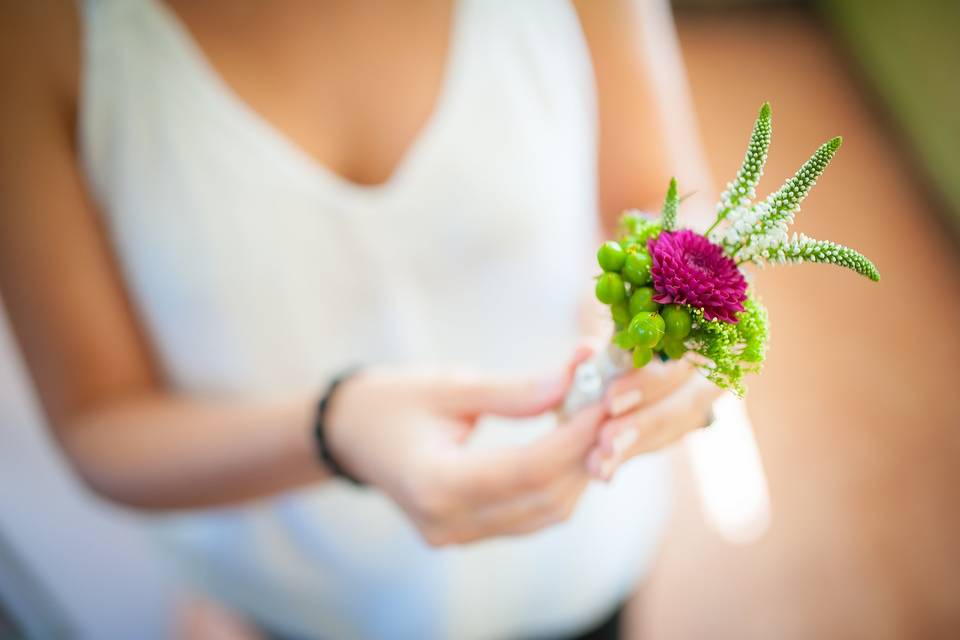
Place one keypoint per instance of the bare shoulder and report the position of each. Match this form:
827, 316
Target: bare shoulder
40, 51
60, 288
608, 24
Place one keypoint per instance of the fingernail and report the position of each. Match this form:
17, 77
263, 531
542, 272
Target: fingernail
624, 402
624, 441
607, 469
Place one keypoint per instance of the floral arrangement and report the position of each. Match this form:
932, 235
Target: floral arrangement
676, 293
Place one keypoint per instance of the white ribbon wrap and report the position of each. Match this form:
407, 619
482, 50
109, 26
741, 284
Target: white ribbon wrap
594, 376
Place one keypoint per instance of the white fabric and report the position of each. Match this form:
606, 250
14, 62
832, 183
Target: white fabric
256, 271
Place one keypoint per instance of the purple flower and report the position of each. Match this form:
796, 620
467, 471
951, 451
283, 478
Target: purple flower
689, 269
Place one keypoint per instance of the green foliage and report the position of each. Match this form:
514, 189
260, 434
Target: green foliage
742, 190
637, 229
781, 205
730, 351
754, 332
751, 232
804, 249
670, 205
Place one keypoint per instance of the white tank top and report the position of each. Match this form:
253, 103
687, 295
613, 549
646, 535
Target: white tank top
256, 271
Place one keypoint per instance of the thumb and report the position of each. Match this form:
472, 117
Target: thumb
525, 396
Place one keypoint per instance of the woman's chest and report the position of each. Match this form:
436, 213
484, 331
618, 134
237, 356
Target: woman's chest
350, 85
253, 265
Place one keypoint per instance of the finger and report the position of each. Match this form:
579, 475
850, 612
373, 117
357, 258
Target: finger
707, 393
681, 411
652, 427
481, 395
560, 508
603, 468
616, 435
586, 348
647, 385
494, 475
519, 397
525, 513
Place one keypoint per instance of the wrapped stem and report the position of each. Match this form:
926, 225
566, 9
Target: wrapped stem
593, 377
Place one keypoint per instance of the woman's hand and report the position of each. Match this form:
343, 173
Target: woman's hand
404, 433
649, 409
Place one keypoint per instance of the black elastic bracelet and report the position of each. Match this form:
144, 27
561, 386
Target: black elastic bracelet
319, 429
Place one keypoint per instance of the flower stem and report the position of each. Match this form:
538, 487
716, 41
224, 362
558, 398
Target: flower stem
720, 217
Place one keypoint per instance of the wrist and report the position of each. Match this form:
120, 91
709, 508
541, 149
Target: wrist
330, 417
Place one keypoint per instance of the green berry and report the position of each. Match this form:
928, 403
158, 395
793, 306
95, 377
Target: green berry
610, 289
673, 347
659, 346
646, 329
611, 256
624, 340
677, 319
642, 300
636, 267
621, 314
642, 356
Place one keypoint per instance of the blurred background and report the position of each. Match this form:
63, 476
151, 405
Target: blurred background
862, 463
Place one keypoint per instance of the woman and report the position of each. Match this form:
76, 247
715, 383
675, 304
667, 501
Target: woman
211, 210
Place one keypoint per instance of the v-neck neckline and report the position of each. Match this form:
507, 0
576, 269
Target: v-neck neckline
282, 145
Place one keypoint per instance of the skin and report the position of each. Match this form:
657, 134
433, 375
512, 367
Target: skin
137, 442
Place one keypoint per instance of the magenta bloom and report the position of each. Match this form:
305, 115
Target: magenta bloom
689, 269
